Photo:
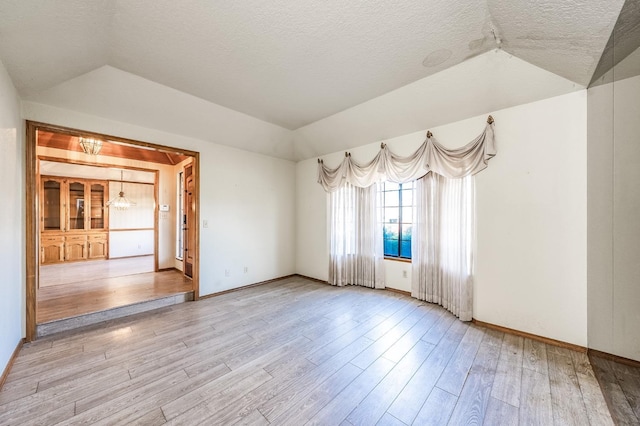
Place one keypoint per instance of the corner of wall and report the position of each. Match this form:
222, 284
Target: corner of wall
12, 222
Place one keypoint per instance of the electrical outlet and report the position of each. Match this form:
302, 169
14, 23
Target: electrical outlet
246, 269
205, 223
404, 274
227, 273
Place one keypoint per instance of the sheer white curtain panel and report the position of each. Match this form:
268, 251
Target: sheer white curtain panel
356, 252
443, 243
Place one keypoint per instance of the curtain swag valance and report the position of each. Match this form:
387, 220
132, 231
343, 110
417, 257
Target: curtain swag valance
431, 156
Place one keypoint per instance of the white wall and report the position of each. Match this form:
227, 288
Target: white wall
131, 243
12, 225
626, 222
532, 247
137, 241
139, 215
247, 199
600, 217
614, 228
531, 258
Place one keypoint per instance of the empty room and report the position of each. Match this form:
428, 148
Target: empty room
326, 213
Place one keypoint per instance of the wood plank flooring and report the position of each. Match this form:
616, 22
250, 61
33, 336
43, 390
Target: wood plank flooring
620, 385
73, 272
78, 298
296, 352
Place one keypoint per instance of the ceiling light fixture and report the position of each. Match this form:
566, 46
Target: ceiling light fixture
90, 146
120, 202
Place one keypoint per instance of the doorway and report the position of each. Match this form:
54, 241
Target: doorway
111, 255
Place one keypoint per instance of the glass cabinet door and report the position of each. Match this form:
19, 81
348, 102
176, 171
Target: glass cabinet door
76, 205
51, 206
98, 197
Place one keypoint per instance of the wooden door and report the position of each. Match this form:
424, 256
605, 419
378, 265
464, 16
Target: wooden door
190, 227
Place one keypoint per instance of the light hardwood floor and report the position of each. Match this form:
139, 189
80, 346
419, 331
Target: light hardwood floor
71, 289
299, 352
70, 300
73, 272
620, 385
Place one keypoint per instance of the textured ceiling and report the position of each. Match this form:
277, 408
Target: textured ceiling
292, 63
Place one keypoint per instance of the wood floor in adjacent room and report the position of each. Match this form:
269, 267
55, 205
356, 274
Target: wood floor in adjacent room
69, 290
299, 352
73, 272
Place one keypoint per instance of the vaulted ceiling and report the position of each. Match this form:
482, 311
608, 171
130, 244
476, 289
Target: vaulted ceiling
292, 63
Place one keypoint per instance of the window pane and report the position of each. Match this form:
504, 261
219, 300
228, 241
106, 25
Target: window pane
407, 215
407, 197
391, 198
391, 215
405, 249
406, 233
390, 231
398, 207
391, 248
391, 186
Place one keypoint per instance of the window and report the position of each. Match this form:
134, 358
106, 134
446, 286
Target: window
397, 201
180, 217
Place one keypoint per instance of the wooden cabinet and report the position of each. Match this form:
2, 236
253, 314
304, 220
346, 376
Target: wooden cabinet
52, 204
70, 204
72, 210
51, 249
68, 247
75, 247
98, 245
98, 211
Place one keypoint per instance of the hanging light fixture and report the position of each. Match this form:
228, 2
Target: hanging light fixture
120, 202
90, 146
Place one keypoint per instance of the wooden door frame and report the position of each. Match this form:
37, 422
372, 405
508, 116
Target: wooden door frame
185, 232
32, 208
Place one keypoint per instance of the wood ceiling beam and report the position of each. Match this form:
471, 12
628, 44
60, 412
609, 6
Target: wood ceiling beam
71, 143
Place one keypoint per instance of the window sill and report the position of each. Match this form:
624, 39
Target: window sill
398, 259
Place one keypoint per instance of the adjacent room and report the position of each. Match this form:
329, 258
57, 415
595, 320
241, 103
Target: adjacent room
336, 213
104, 252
